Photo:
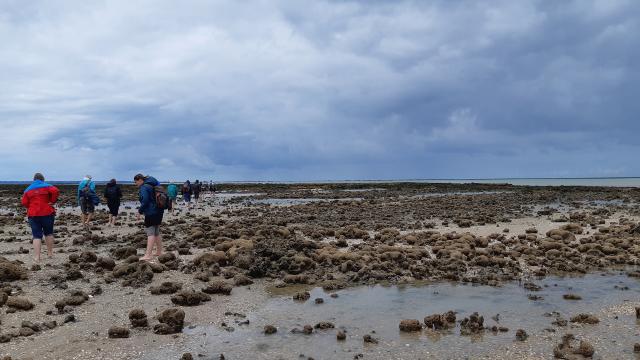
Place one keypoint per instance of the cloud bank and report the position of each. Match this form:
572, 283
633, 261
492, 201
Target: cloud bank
282, 90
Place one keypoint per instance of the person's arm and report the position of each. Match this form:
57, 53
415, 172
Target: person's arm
105, 193
25, 200
119, 192
54, 193
92, 186
145, 199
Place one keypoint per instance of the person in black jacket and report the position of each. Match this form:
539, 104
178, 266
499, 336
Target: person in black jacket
113, 194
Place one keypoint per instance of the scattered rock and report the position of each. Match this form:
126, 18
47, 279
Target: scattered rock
571, 297
138, 318
19, 303
585, 319
118, 332
167, 287
369, 339
521, 335
171, 322
270, 329
190, 298
218, 287
410, 325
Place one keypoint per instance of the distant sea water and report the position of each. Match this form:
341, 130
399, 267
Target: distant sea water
604, 181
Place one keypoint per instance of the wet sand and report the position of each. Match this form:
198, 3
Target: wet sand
394, 252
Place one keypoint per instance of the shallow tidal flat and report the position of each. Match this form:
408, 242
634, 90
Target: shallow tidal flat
333, 271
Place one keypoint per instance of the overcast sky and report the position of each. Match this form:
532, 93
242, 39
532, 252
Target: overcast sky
316, 90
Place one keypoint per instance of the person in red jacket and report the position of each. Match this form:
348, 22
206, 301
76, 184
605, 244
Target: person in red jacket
39, 198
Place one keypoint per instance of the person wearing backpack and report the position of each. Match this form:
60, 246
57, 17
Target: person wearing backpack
153, 202
86, 198
113, 194
172, 193
39, 198
187, 190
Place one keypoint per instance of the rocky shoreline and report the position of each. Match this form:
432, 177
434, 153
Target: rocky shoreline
340, 236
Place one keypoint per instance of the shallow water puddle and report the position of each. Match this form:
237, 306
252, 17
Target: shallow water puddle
361, 310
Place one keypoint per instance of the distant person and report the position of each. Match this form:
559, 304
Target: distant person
172, 192
197, 188
39, 198
87, 198
186, 191
113, 194
153, 201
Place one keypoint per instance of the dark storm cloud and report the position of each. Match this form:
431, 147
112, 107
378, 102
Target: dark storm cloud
320, 90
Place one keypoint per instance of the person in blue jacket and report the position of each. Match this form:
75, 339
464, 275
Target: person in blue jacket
86, 196
152, 214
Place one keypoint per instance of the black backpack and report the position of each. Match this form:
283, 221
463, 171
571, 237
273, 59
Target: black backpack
112, 193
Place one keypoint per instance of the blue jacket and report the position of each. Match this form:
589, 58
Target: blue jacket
92, 191
147, 199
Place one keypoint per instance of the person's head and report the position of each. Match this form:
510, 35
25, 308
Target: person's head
38, 176
188, 182
87, 177
112, 182
197, 181
138, 179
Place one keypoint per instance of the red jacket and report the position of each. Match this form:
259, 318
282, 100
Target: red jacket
39, 197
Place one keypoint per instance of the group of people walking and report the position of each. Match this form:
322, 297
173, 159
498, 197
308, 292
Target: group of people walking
39, 199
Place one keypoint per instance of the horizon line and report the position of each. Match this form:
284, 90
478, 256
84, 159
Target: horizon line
361, 180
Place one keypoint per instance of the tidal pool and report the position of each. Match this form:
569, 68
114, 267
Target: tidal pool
377, 310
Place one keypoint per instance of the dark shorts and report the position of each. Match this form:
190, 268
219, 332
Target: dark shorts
152, 225
113, 208
187, 197
153, 220
86, 206
41, 226
196, 195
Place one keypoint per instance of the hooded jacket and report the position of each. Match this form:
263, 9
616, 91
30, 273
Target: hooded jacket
112, 193
38, 197
147, 199
92, 190
172, 191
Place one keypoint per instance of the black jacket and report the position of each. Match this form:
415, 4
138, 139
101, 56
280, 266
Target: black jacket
112, 193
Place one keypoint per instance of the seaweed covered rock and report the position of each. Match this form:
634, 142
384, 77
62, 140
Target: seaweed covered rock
167, 287
585, 319
189, 298
569, 347
138, 318
75, 298
472, 325
218, 287
118, 332
171, 322
136, 274
11, 270
440, 321
410, 325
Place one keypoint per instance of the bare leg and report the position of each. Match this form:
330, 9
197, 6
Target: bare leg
89, 218
158, 241
147, 254
49, 241
37, 245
